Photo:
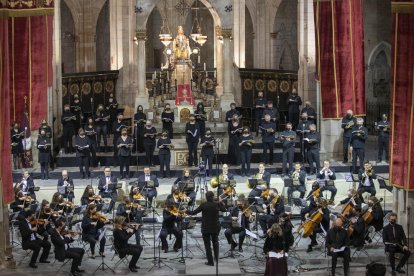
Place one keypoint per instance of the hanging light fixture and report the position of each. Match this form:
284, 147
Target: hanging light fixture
165, 34
196, 34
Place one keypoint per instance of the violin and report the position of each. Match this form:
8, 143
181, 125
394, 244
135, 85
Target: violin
70, 232
132, 205
99, 217
50, 213
315, 194
67, 204
35, 222
95, 198
265, 193
229, 191
134, 226
138, 196
176, 212
26, 198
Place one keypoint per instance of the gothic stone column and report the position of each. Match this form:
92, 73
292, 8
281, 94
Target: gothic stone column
228, 96
142, 95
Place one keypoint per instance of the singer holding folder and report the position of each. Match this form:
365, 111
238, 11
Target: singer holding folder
43, 145
83, 153
124, 145
193, 133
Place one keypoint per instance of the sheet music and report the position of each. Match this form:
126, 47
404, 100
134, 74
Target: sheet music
277, 255
157, 237
251, 234
102, 234
339, 249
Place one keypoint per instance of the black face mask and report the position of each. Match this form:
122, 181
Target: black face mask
208, 133
349, 116
393, 222
245, 132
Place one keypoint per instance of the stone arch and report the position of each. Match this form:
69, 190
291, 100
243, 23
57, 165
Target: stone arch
103, 62
249, 48
286, 58
382, 46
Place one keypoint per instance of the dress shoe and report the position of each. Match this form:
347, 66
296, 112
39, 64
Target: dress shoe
309, 249
165, 250
210, 264
136, 267
33, 265
79, 270
44, 262
240, 249
400, 270
132, 269
101, 254
314, 243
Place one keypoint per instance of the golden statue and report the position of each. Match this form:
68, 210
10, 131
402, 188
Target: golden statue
181, 45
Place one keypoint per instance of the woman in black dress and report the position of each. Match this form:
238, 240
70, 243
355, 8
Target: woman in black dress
167, 118
139, 120
235, 129
17, 136
201, 118
274, 243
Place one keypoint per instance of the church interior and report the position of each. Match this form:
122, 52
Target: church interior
128, 117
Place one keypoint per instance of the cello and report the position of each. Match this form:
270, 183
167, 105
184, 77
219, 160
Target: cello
307, 227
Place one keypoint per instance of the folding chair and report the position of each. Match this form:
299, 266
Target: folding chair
124, 260
63, 263
359, 251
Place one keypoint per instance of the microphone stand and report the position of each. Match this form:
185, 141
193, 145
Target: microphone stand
408, 232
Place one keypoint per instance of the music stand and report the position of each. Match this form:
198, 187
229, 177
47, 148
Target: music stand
384, 184
103, 265
257, 208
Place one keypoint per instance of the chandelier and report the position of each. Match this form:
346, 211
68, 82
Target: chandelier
196, 34
165, 34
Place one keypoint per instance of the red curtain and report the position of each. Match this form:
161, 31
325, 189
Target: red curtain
402, 100
31, 66
5, 143
340, 56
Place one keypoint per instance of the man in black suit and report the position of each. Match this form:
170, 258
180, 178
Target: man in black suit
327, 176
149, 192
105, 191
298, 177
337, 241
240, 222
358, 139
83, 153
32, 242
348, 122
210, 226
65, 186
256, 191
124, 144
366, 180
62, 249
395, 242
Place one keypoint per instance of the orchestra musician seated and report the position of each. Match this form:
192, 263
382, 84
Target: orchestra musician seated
92, 222
149, 192
312, 197
263, 183
27, 185
31, 241
337, 241
188, 182
122, 232
356, 229
395, 242
327, 175
89, 196
298, 177
320, 206
132, 212
171, 215
353, 197
274, 207
240, 216
65, 186
105, 189
374, 216
61, 240
366, 180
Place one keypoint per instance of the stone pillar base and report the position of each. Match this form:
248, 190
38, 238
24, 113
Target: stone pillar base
142, 100
331, 137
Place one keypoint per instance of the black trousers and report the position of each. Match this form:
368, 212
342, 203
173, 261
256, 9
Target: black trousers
345, 144
76, 254
169, 128
44, 170
246, 159
92, 240
313, 157
178, 234
149, 152
235, 230
383, 145
207, 158
102, 131
291, 189
346, 255
67, 136
209, 238
84, 163
294, 118
92, 161
134, 250
367, 189
35, 246
192, 153
165, 159
233, 155
287, 157
391, 252
124, 162
268, 157
332, 189
357, 153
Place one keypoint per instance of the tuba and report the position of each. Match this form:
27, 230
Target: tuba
214, 182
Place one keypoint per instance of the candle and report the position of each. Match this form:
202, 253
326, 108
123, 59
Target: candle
162, 65
199, 59
204, 66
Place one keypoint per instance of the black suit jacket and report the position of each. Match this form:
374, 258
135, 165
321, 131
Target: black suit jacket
102, 183
210, 216
388, 236
59, 243
26, 233
121, 238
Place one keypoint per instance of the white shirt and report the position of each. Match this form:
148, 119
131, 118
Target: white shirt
367, 183
147, 177
239, 218
108, 180
24, 186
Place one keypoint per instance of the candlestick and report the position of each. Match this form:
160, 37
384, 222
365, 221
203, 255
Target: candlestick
199, 59
204, 66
